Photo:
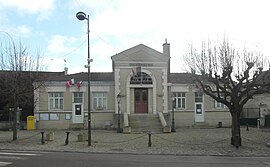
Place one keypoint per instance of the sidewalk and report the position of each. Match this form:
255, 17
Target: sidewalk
183, 142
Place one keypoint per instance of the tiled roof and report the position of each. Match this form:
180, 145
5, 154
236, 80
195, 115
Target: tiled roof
83, 76
181, 78
36, 75
175, 78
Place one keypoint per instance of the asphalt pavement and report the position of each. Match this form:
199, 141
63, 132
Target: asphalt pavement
71, 159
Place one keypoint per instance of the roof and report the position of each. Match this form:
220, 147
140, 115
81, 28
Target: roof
176, 78
140, 53
181, 78
83, 76
35, 75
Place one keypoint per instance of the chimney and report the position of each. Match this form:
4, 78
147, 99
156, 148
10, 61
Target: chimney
166, 52
166, 48
66, 71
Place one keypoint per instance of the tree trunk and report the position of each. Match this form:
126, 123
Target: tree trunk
236, 135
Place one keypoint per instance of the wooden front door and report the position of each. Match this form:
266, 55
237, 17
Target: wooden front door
141, 100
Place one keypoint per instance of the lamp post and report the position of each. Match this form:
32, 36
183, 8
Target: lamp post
118, 113
82, 16
173, 106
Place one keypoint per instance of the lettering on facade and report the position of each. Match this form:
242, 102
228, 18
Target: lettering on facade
141, 64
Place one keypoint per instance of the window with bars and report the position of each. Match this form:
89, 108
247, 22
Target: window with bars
56, 101
100, 100
180, 100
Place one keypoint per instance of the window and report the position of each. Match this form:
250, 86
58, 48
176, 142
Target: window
100, 100
78, 97
141, 78
180, 100
198, 97
56, 101
219, 105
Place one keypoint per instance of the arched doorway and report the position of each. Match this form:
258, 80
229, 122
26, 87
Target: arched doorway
142, 80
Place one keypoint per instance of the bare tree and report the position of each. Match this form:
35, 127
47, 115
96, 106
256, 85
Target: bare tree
229, 76
18, 70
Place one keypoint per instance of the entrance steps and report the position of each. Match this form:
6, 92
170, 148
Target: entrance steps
141, 123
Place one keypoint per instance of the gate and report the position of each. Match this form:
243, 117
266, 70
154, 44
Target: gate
250, 116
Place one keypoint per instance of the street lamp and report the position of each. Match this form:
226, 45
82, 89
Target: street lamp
118, 113
82, 16
173, 106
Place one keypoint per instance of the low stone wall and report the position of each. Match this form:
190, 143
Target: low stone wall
99, 120
212, 118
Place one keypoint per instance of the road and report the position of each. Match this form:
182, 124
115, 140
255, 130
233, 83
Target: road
73, 159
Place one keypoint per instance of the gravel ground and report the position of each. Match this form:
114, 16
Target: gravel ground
188, 141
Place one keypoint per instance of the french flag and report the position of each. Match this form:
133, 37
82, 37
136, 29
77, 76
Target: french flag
79, 84
70, 83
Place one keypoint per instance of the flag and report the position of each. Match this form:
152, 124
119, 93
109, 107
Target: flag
79, 84
138, 70
67, 84
70, 83
135, 71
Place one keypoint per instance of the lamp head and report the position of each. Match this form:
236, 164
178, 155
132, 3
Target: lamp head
81, 16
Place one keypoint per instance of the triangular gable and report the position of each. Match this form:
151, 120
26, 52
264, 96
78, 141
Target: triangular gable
140, 53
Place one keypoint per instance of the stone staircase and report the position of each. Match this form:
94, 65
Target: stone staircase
141, 123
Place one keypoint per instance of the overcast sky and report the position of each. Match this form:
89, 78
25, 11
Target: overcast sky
51, 27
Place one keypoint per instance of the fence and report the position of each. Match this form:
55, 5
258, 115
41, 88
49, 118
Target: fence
249, 116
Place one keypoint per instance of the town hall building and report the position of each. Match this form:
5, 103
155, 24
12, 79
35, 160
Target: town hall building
140, 94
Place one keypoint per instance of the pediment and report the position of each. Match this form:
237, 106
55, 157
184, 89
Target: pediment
140, 53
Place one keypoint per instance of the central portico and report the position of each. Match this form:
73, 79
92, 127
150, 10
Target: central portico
141, 79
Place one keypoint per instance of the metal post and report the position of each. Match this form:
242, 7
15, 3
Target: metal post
15, 122
66, 142
42, 138
149, 139
118, 114
173, 123
88, 77
82, 16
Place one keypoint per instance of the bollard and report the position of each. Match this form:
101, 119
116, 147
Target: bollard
149, 140
258, 123
67, 138
42, 138
247, 127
